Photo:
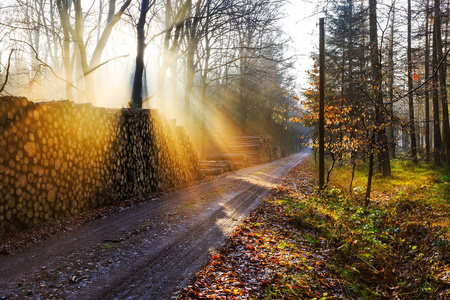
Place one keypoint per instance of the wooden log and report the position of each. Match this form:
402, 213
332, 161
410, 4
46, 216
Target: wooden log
225, 165
226, 156
212, 171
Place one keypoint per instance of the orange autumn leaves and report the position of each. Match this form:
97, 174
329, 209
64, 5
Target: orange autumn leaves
349, 123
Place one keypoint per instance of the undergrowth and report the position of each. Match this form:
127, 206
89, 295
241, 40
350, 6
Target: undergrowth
300, 245
396, 247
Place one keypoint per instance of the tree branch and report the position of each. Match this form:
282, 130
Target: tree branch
105, 36
7, 71
47, 66
104, 63
421, 85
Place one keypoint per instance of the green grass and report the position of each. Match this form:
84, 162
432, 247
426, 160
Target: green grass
398, 245
302, 245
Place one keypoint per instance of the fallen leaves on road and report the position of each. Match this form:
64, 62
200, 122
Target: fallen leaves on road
269, 256
300, 245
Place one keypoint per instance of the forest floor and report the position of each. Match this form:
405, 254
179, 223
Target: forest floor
300, 245
145, 248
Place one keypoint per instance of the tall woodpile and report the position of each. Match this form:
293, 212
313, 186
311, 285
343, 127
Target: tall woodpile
58, 159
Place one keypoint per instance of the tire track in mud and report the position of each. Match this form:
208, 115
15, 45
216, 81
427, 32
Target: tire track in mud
199, 219
188, 254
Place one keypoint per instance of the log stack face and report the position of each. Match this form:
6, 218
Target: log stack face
243, 151
58, 159
258, 149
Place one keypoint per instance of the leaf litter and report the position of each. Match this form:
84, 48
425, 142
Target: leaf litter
300, 245
269, 257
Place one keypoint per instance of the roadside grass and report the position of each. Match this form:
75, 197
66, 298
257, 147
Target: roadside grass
301, 245
399, 245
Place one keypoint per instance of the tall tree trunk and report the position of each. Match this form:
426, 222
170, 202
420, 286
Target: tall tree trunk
99, 21
442, 80
111, 11
82, 52
436, 118
189, 80
412, 125
174, 61
63, 8
162, 72
192, 43
54, 43
88, 66
242, 95
136, 98
322, 104
380, 119
391, 135
351, 45
204, 81
427, 86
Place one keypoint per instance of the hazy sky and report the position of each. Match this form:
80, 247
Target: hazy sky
302, 24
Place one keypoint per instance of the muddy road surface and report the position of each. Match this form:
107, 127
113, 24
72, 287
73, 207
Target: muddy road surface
150, 250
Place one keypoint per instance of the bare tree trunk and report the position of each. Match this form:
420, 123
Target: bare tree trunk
82, 53
371, 166
412, 125
322, 104
55, 58
99, 22
204, 81
191, 29
162, 72
391, 136
5, 81
380, 118
427, 92
436, 119
111, 10
442, 80
136, 98
63, 8
88, 67
242, 94
174, 61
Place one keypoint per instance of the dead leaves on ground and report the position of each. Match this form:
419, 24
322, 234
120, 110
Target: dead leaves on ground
298, 245
268, 256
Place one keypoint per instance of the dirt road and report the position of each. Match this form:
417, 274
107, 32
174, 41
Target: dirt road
148, 251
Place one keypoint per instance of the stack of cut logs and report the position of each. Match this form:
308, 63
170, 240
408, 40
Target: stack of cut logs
243, 151
58, 159
219, 163
257, 148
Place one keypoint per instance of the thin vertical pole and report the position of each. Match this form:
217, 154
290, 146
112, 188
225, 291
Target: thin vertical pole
322, 104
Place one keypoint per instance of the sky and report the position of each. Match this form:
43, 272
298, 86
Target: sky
302, 25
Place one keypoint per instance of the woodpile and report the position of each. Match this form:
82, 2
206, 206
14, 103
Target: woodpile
242, 152
276, 153
58, 159
219, 163
234, 161
216, 167
258, 149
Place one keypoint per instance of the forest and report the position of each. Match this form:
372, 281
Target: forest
371, 222
225, 60
381, 209
378, 227
386, 84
